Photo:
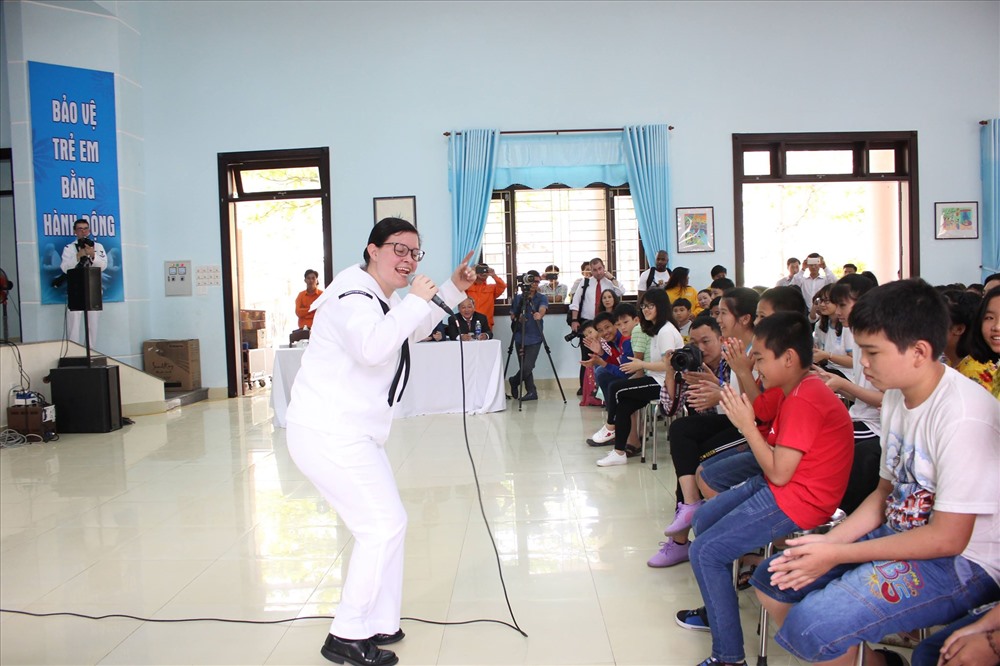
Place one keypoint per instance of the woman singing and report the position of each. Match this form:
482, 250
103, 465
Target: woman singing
353, 372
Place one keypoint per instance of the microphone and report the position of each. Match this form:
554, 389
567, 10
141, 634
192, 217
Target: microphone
436, 300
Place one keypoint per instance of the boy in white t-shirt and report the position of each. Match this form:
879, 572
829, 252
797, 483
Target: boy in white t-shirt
924, 547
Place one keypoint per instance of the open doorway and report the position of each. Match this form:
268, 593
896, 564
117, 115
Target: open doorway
275, 226
851, 197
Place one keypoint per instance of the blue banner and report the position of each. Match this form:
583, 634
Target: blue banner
75, 150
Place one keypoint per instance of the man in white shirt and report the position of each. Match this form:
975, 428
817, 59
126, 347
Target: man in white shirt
793, 270
83, 252
585, 300
655, 277
810, 281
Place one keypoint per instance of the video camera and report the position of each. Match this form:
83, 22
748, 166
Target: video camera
525, 281
571, 335
686, 359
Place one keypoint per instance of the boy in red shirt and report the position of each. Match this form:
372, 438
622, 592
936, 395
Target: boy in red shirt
806, 459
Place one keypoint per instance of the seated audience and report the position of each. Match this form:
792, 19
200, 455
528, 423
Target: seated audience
682, 317
718, 272
973, 639
962, 308
713, 307
921, 550
589, 390
485, 294
870, 276
625, 397
806, 459
704, 301
720, 286
467, 324
780, 299
975, 288
553, 290
306, 298
830, 351
984, 345
656, 276
678, 286
439, 334
991, 282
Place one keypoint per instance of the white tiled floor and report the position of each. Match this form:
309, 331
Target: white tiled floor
201, 512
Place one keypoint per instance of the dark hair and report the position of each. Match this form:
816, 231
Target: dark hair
618, 299
792, 260
664, 313
870, 276
625, 310
682, 303
979, 349
718, 268
846, 266
787, 330
604, 316
383, 229
308, 271
597, 259
585, 265
812, 255
962, 307
722, 283
715, 301
906, 311
850, 287
995, 276
587, 323
678, 277
706, 320
742, 301
823, 323
976, 288
785, 299
80, 221
551, 268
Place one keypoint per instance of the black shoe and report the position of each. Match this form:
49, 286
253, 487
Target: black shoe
579, 391
388, 639
591, 442
361, 652
529, 396
513, 388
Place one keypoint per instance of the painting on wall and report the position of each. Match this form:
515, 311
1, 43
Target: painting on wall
404, 208
956, 219
696, 229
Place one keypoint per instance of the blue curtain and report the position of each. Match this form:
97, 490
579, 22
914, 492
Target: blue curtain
647, 162
990, 223
472, 160
575, 160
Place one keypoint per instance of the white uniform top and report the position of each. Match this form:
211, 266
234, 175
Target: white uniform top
343, 385
69, 260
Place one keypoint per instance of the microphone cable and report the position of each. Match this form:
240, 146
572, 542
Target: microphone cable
482, 511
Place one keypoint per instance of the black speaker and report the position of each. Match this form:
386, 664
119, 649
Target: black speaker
83, 289
87, 399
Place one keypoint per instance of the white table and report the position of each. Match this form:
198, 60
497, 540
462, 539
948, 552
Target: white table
435, 385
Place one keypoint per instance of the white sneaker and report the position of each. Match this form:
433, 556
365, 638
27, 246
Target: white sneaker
603, 435
613, 458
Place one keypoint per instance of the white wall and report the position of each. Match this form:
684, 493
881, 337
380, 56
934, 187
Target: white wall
378, 82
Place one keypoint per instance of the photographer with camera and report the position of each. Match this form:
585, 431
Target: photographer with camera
526, 313
810, 281
485, 294
81, 253
555, 292
700, 360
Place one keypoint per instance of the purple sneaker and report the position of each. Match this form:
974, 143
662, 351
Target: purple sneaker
670, 553
682, 518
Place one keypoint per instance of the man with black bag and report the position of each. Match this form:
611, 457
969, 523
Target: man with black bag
586, 304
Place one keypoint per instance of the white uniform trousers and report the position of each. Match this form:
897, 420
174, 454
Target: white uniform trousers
355, 477
74, 326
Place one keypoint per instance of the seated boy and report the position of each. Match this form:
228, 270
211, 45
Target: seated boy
924, 547
607, 351
806, 459
682, 317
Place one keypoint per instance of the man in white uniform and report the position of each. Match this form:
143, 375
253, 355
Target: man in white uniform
81, 253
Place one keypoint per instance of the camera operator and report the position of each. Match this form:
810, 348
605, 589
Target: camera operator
484, 294
587, 303
555, 292
526, 313
81, 253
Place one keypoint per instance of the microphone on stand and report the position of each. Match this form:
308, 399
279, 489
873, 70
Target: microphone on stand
435, 299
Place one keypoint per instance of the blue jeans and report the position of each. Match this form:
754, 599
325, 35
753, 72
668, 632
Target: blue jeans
853, 603
727, 526
723, 474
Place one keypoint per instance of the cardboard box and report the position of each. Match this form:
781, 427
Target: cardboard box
176, 362
32, 419
255, 339
251, 320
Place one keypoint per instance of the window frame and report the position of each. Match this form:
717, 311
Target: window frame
508, 194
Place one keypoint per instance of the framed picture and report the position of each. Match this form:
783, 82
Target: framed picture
404, 208
956, 219
696, 229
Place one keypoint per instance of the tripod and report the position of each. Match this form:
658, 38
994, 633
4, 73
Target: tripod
518, 327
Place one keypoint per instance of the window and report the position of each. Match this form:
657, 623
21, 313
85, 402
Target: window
531, 229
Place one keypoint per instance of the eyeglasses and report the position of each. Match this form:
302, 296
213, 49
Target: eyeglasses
648, 306
822, 300
403, 250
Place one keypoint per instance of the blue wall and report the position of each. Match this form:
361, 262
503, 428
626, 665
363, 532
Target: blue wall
378, 82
